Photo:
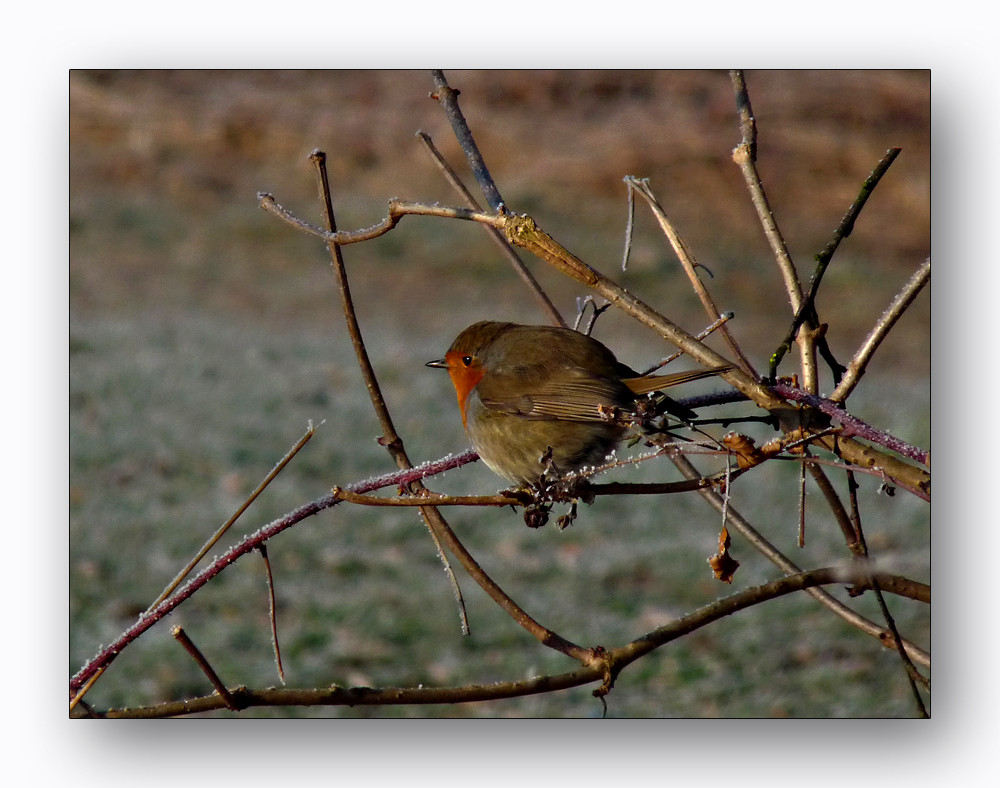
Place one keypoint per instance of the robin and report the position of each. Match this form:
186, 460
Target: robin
529, 391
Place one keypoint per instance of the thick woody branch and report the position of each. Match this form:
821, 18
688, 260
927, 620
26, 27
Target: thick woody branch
613, 662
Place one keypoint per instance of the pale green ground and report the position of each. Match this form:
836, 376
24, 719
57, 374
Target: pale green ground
204, 334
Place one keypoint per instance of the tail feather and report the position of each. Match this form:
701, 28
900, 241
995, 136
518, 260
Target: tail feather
648, 383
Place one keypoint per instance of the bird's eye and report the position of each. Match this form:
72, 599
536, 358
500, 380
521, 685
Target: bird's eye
466, 360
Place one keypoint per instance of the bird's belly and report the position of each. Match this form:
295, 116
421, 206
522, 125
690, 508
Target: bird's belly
512, 446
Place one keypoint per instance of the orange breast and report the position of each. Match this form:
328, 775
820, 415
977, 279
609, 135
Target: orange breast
463, 378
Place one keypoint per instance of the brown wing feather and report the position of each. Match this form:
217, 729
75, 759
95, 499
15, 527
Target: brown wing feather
577, 396
572, 377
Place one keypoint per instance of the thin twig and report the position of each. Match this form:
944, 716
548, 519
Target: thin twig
508, 251
835, 505
690, 267
846, 226
705, 332
448, 97
745, 156
630, 220
273, 611
856, 368
268, 203
718, 481
807, 311
82, 689
209, 671
511, 499
397, 210
912, 674
426, 499
310, 431
802, 502
581, 310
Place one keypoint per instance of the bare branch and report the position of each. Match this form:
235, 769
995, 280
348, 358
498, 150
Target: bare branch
209, 671
226, 526
84, 678
742, 526
861, 550
268, 203
426, 499
745, 155
449, 101
272, 612
508, 251
888, 319
615, 660
390, 438
690, 268
853, 426
806, 313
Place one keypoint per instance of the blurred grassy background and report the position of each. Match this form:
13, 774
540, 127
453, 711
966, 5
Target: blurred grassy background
205, 333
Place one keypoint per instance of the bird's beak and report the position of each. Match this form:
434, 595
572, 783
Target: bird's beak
439, 364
